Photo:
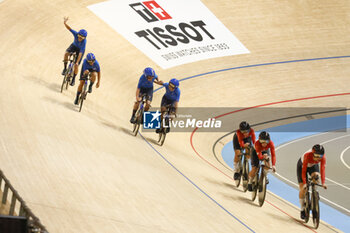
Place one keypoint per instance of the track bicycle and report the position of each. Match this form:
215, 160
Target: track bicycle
165, 125
244, 168
259, 182
312, 198
139, 114
68, 75
84, 92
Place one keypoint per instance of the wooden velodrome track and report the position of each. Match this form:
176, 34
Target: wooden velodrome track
84, 172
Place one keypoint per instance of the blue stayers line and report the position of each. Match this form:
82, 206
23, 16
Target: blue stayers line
195, 184
256, 65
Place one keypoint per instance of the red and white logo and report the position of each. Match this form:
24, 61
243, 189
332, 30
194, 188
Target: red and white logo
157, 10
150, 11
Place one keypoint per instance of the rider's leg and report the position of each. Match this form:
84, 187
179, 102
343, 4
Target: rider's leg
302, 191
76, 65
92, 80
251, 177
148, 105
267, 169
75, 72
65, 59
162, 112
255, 163
236, 164
237, 149
134, 110
136, 106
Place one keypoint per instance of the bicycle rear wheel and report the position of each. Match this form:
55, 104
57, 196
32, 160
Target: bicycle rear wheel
262, 187
245, 172
255, 185
315, 210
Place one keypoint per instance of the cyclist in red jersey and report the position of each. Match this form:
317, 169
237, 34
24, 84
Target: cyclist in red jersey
243, 138
308, 164
264, 147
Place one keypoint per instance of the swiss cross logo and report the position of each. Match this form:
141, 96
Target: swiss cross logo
150, 11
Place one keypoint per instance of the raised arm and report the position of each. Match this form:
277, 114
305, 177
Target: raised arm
65, 19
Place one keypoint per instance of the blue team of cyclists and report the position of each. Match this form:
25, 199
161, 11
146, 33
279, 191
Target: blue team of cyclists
244, 137
90, 68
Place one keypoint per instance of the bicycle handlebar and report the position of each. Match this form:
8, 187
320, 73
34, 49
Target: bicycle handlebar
312, 181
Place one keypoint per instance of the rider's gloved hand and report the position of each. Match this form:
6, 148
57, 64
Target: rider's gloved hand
274, 168
266, 156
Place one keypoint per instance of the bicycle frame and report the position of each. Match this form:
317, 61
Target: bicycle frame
313, 202
69, 72
84, 92
71, 59
244, 168
259, 181
163, 130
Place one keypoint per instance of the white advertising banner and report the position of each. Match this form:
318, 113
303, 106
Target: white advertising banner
170, 32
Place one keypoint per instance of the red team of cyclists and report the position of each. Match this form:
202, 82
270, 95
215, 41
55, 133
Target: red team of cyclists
261, 150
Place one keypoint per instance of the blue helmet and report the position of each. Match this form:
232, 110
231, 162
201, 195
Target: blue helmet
90, 57
149, 72
175, 82
83, 32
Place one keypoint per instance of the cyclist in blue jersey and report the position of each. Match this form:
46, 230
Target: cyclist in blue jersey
77, 47
90, 65
145, 86
171, 97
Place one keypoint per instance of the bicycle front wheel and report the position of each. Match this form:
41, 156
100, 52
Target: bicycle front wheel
64, 82
307, 206
245, 173
82, 98
255, 184
161, 140
315, 209
262, 187
138, 122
